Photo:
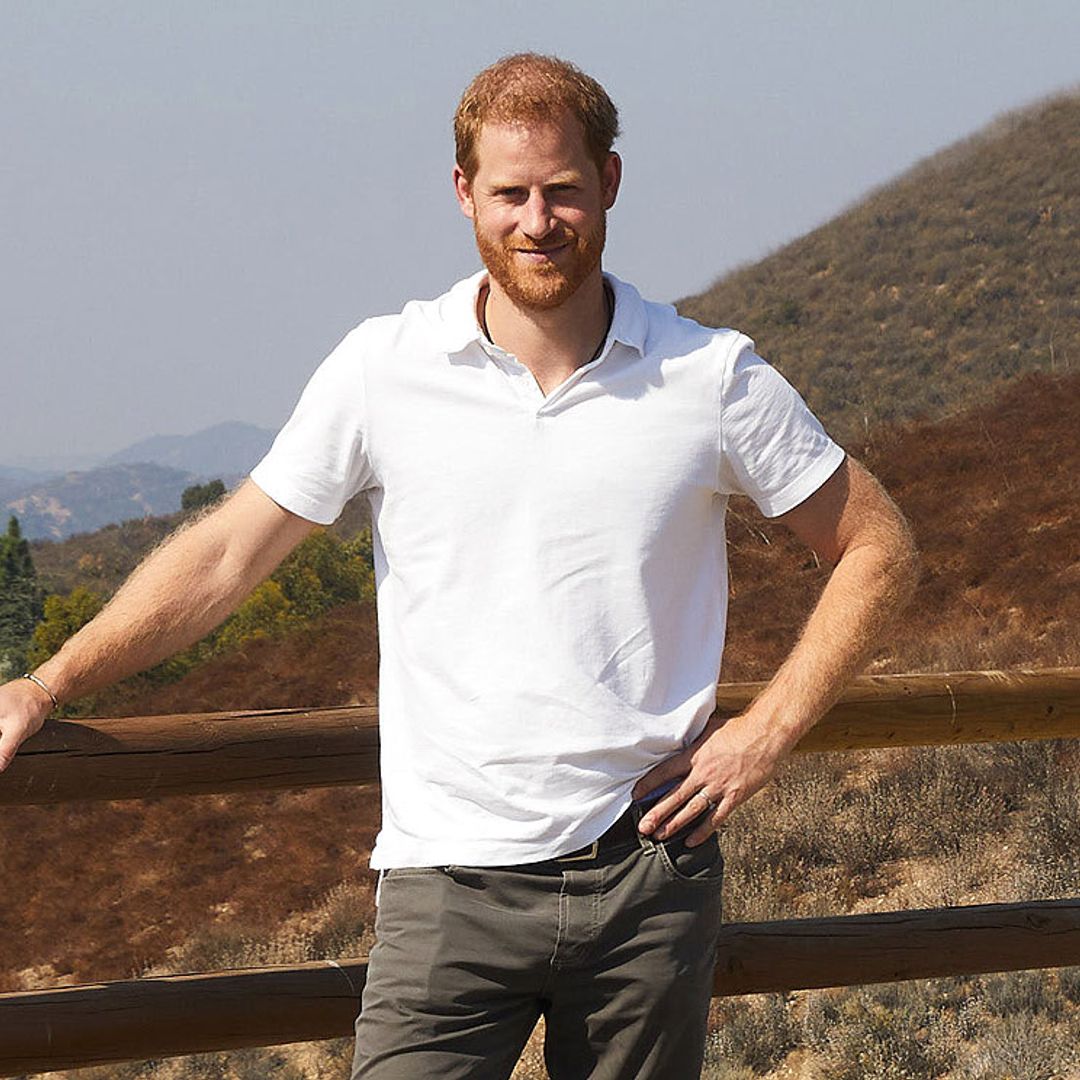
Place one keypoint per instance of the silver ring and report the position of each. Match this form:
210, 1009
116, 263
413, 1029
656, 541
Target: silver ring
703, 794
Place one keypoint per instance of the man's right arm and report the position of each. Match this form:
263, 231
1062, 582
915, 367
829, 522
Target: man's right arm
176, 596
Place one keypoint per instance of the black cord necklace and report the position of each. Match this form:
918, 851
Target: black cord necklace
609, 304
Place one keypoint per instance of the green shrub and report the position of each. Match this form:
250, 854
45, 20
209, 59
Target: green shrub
64, 615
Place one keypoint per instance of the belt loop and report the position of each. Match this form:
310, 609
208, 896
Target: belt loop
646, 842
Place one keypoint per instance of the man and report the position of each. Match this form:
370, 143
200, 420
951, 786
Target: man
548, 460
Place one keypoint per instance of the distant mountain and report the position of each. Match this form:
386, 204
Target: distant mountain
14, 474
14, 480
83, 501
935, 290
57, 461
146, 478
231, 449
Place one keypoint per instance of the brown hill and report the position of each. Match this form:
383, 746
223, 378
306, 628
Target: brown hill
991, 495
96, 892
933, 291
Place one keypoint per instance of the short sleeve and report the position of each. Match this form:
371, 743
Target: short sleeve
772, 447
319, 459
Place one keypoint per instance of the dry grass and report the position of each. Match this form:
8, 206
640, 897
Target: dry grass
195, 883
810, 844
1000, 546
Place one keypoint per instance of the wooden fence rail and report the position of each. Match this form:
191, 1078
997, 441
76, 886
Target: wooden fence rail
186, 1014
290, 748
145, 756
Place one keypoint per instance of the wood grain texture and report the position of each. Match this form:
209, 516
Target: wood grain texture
182, 1014
947, 709
162, 1017
203, 753
140, 757
849, 950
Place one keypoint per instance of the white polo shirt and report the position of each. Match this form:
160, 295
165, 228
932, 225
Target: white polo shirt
551, 571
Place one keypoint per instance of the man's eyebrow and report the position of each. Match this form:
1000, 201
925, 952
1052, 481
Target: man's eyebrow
567, 179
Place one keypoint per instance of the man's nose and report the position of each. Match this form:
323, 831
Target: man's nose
538, 219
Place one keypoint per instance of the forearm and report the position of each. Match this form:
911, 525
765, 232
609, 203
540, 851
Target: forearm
868, 587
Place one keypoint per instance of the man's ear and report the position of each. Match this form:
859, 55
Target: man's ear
463, 191
610, 178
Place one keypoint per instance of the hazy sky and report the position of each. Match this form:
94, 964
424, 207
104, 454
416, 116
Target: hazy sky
198, 199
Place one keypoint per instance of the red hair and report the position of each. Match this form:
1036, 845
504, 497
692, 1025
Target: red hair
530, 87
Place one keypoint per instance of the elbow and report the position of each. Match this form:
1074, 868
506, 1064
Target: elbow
904, 562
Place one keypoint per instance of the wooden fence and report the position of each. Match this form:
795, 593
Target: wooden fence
292, 748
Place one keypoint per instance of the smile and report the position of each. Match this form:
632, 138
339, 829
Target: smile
541, 253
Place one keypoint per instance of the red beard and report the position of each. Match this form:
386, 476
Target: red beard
545, 285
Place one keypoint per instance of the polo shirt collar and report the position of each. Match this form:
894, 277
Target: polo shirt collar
630, 323
459, 327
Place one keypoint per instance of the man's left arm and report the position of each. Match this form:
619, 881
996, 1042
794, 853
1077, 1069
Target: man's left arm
850, 522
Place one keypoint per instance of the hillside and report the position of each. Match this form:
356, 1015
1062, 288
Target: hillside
14, 480
99, 560
991, 495
126, 881
933, 291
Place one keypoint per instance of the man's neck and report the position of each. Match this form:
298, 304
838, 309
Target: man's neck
551, 343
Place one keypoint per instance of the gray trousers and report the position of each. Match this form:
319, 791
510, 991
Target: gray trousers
616, 952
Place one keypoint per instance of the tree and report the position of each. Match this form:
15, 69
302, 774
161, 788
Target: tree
64, 614
199, 495
319, 574
322, 572
266, 613
20, 599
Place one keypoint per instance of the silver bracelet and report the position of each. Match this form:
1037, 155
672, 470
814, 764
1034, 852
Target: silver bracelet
39, 682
